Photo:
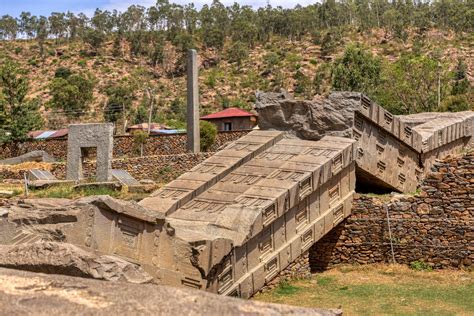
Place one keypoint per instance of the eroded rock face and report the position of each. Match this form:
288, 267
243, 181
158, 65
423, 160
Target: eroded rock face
306, 119
39, 235
63, 258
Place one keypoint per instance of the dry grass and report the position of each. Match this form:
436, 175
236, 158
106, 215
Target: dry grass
25, 166
66, 191
381, 290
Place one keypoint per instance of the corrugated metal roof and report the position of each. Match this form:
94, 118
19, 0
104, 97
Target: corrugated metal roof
48, 134
45, 134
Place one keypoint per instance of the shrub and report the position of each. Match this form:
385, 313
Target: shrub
420, 266
208, 133
62, 72
139, 140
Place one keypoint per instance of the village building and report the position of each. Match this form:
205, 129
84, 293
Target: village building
232, 119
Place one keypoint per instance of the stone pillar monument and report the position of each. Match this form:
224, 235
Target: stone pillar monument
193, 138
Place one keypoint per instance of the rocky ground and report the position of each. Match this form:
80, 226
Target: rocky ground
26, 293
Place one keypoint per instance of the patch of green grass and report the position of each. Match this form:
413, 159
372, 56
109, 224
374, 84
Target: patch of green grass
284, 288
98, 191
68, 192
381, 290
56, 192
420, 266
324, 280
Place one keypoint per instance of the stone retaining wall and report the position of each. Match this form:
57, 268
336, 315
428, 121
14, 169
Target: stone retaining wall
435, 227
158, 168
123, 145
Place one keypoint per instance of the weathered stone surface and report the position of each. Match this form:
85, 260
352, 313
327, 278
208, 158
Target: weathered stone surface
83, 137
63, 258
37, 155
25, 293
308, 119
252, 209
192, 114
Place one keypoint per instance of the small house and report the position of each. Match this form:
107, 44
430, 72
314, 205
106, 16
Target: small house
232, 119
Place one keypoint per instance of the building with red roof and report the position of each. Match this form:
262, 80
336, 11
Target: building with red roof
232, 119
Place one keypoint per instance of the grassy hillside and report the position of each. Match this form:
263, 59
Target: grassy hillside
280, 63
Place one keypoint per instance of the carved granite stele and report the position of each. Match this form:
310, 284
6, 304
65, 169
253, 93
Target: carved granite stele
233, 222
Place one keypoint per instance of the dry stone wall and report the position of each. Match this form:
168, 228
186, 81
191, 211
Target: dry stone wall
123, 145
158, 168
435, 227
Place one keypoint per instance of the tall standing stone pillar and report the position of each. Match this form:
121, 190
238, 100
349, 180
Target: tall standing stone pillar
193, 138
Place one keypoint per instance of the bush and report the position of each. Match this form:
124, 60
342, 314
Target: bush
62, 72
357, 70
420, 266
237, 53
139, 140
455, 103
208, 133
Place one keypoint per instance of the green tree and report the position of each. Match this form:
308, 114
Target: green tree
140, 114
208, 133
57, 24
42, 33
8, 27
72, 94
120, 98
330, 41
94, 38
357, 70
27, 24
410, 85
237, 53
18, 114
460, 81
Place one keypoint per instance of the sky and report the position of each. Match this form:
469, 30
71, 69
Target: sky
45, 7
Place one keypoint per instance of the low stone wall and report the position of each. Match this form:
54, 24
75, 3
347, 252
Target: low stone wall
123, 145
435, 227
158, 168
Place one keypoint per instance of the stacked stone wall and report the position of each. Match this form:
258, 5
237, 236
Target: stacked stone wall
436, 226
124, 146
162, 168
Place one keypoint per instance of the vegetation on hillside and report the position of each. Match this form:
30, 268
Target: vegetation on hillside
120, 66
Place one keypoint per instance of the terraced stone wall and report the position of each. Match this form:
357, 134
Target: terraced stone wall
435, 227
123, 145
162, 168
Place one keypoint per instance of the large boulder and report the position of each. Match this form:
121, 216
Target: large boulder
312, 119
63, 258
